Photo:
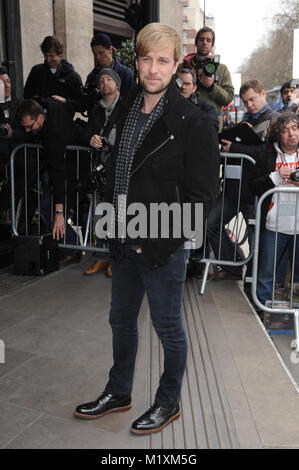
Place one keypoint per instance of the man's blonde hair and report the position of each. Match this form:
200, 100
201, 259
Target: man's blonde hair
158, 36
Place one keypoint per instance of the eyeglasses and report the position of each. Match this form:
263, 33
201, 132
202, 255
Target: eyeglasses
30, 126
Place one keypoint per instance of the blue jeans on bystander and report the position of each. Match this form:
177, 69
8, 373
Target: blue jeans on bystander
266, 268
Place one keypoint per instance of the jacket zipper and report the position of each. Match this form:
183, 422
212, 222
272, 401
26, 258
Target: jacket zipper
171, 137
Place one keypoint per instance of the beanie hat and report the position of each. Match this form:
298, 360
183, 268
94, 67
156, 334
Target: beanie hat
112, 74
101, 40
290, 84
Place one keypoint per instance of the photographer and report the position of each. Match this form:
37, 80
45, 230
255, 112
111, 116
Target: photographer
290, 95
102, 127
275, 168
5, 109
189, 91
54, 128
55, 78
213, 79
6, 117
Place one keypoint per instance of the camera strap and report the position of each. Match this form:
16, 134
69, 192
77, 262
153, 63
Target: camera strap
284, 160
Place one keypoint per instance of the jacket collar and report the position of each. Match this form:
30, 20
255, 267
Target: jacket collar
161, 130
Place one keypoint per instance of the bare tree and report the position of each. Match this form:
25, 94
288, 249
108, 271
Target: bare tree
271, 63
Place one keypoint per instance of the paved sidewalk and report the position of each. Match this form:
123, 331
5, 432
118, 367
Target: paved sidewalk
58, 354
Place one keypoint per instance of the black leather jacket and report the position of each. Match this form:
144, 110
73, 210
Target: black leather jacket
178, 161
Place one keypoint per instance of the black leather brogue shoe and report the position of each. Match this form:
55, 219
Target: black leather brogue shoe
105, 404
155, 419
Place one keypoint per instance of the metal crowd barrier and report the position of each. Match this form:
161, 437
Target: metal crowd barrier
237, 223
31, 176
274, 305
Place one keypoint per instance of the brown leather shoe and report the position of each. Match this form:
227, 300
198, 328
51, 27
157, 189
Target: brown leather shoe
109, 271
96, 268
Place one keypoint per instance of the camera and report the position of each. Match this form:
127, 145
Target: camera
295, 176
95, 180
3, 130
93, 93
209, 65
3, 124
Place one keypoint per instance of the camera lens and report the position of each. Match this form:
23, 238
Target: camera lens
211, 68
3, 130
295, 176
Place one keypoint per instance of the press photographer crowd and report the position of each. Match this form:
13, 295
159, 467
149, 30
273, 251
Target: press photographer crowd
54, 97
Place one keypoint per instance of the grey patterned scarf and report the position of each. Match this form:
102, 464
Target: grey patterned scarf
128, 147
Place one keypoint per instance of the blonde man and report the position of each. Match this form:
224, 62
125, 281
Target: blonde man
166, 152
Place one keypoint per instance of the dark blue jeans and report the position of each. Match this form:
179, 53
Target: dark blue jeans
266, 268
164, 287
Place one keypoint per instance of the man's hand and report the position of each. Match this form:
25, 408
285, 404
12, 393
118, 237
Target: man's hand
285, 172
207, 82
59, 98
58, 229
96, 141
226, 145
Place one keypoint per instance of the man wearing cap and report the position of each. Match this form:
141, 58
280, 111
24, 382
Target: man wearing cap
287, 95
102, 124
102, 49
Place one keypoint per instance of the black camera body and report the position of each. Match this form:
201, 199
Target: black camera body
95, 180
209, 65
93, 96
295, 176
3, 123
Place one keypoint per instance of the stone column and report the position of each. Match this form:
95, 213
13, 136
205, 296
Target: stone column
36, 24
72, 23
74, 27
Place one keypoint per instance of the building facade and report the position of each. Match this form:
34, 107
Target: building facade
25, 23
194, 18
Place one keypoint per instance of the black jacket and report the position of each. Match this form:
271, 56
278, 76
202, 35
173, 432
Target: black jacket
260, 126
7, 116
58, 131
260, 180
207, 108
178, 161
42, 83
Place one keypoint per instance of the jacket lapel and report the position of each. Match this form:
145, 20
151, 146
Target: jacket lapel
157, 135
